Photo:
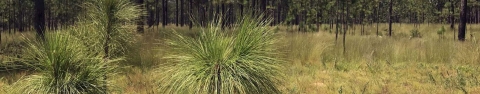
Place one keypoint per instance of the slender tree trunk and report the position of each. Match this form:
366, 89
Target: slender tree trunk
337, 19
390, 17
376, 18
151, 14
165, 12
225, 17
182, 13
463, 21
452, 18
141, 20
22, 15
477, 16
345, 24
263, 7
9, 16
157, 13
253, 7
241, 10
190, 14
40, 18
177, 12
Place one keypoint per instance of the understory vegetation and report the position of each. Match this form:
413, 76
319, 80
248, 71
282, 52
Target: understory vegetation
241, 60
239, 46
314, 63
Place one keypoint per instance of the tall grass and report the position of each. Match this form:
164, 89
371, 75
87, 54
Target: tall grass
65, 66
217, 62
375, 64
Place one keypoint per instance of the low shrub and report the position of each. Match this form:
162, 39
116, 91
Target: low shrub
415, 33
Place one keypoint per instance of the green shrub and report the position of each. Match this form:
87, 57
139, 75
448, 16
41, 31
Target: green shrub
415, 33
441, 31
64, 66
215, 62
312, 28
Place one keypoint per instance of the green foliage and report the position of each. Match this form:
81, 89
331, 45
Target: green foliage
245, 61
441, 31
415, 33
109, 22
65, 66
313, 28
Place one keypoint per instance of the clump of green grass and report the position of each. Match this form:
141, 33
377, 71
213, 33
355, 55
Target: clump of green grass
64, 66
415, 33
215, 62
441, 32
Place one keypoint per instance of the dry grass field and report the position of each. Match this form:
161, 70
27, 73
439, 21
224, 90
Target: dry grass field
318, 64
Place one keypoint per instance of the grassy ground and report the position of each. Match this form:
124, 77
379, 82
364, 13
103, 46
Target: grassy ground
318, 64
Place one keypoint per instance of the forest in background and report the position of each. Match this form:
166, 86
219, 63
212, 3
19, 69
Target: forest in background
18, 15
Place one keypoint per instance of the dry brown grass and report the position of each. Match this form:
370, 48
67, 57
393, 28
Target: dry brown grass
136, 81
374, 64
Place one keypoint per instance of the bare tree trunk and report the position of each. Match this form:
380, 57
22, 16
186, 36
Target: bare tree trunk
241, 9
141, 20
345, 19
263, 7
165, 12
182, 13
177, 12
452, 18
390, 10
151, 14
40, 18
225, 17
190, 14
463, 21
254, 5
336, 21
376, 18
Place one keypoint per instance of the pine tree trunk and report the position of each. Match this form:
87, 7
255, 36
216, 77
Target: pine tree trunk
452, 18
463, 21
390, 17
182, 13
190, 10
157, 14
40, 18
141, 20
336, 22
376, 18
165, 13
177, 12
345, 24
241, 10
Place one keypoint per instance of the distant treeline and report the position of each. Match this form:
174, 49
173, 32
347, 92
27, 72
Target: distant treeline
18, 15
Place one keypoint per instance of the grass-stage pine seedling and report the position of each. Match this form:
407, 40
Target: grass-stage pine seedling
64, 66
109, 26
241, 62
